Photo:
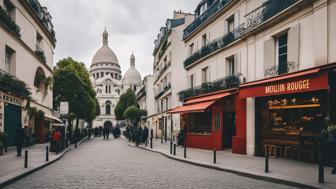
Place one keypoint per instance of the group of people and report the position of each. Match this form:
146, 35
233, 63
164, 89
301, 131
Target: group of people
137, 134
105, 132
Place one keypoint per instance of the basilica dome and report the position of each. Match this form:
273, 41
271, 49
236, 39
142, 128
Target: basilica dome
105, 53
132, 76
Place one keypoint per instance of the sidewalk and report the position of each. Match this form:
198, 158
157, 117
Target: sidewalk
289, 172
12, 167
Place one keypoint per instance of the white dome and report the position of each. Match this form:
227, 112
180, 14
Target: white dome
132, 76
105, 54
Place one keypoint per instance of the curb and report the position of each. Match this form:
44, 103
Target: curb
22, 175
237, 172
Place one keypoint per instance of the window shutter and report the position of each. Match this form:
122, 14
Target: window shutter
236, 19
269, 53
225, 27
293, 44
237, 63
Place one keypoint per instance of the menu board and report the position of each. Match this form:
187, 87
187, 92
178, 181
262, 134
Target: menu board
217, 122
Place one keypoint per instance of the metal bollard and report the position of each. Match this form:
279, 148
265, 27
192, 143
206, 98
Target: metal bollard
266, 163
174, 149
47, 153
214, 156
185, 151
151, 143
161, 140
321, 169
76, 144
26, 159
171, 147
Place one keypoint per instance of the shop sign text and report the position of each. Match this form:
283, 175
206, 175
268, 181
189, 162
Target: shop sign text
287, 87
10, 99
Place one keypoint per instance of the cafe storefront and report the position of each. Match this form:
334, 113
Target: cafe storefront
214, 121
290, 110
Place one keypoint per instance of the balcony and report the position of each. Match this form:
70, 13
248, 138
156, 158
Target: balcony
7, 21
212, 10
11, 84
228, 82
165, 89
161, 71
215, 45
281, 69
40, 53
43, 15
269, 9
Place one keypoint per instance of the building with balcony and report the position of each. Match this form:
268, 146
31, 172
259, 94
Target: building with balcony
248, 66
27, 42
145, 99
167, 70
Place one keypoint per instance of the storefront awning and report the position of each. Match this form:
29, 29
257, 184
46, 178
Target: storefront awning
189, 108
201, 103
297, 82
52, 119
207, 98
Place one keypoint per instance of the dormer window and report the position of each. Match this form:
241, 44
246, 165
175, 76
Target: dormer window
203, 8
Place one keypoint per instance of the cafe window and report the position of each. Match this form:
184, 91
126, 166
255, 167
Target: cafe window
199, 123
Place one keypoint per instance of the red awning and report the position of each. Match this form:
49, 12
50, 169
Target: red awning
196, 107
207, 98
298, 82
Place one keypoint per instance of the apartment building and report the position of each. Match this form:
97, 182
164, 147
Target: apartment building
260, 75
168, 54
27, 42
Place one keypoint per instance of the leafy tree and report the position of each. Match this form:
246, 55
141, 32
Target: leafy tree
72, 84
126, 100
133, 113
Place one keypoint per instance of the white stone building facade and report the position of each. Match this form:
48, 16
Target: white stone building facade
169, 53
27, 42
107, 80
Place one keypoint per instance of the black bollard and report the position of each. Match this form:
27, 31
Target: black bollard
174, 149
214, 156
26, 159
185, 151
161, 140
151, 143
76, 144
266, 163
171, 147
47, 153
321, 169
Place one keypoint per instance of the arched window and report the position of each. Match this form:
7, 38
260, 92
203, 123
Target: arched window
134, 88
107, 107
40, 77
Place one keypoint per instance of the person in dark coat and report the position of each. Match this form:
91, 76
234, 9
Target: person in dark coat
89, 133
19, 138
145, 134
107, 132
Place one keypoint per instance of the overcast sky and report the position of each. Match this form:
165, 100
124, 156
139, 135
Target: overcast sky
132, 25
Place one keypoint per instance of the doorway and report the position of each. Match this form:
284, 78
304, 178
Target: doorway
229, 129
11, 120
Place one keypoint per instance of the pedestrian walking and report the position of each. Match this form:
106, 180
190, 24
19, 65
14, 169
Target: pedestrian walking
107, 132
57, 140
19, 138
145, 134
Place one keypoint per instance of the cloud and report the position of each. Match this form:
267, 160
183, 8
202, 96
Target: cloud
132, 25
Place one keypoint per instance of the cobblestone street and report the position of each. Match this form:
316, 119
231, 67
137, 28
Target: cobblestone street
113, 164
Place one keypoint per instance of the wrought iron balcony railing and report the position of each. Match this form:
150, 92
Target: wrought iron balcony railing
212, 10
7, 21
40, 53
267, 10
281, 69
165, 89
11, 84
227, 82
215, 45
43, 15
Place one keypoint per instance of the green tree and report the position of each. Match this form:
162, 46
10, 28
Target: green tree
126, 100
133, 113
72, 84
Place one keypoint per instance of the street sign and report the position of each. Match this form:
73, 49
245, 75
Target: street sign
64, 108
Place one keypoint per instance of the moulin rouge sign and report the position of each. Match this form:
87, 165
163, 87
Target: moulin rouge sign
288, 87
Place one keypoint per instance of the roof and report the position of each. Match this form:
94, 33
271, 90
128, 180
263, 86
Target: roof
105, 54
